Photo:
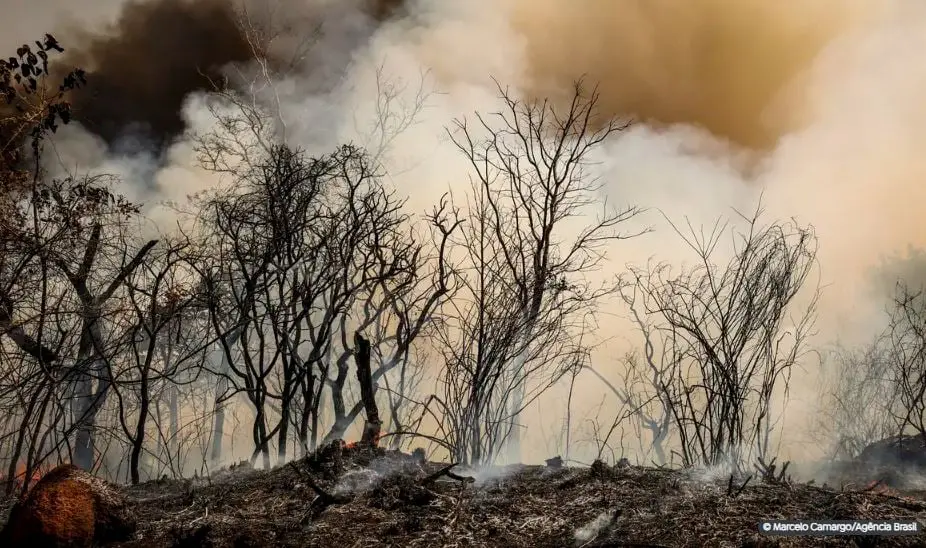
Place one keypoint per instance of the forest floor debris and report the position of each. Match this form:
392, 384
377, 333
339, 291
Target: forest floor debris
359, 496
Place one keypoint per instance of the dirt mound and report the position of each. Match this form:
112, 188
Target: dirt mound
68, 507
363, 496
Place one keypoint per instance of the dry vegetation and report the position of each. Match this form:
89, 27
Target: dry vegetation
358, 496
305, 292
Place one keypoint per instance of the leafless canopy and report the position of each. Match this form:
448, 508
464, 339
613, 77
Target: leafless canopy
721, 339
518, 324
906, 347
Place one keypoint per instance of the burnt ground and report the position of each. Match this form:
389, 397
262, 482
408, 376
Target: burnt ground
364, 497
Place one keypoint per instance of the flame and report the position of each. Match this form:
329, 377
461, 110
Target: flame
880, 488
20, 474
353, 444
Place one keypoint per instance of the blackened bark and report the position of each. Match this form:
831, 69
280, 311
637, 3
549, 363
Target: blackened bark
371, 429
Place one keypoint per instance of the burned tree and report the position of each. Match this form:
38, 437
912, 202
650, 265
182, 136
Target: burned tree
527, 251
307, 250
164, 346
92, 372
861, 400
642, 404
882, 404
396, 312
348, 261
372, 426
262, 237
906, 347
32, 108
62, 269
725, 337
78, 269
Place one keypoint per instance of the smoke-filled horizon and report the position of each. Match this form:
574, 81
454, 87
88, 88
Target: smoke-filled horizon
145, 57
815, 106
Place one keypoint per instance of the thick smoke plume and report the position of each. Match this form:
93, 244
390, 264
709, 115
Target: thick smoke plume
154, 54
144, 66
817, 105
733, 67
819, 96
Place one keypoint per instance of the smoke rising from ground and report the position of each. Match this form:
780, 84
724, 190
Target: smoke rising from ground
816, 105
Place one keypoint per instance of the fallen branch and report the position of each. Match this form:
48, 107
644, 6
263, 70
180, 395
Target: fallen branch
736, 493
324, 498
767, 471
445, 471
464, 479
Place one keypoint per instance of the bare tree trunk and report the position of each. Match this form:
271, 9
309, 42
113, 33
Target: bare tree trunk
373, 426
139, 439
568, 425
308, 390
516, 402
173, 410
285, 413
87, 400
221, 387
514, 438
88, 404
218, 428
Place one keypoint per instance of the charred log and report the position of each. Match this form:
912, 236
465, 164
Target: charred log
373, 425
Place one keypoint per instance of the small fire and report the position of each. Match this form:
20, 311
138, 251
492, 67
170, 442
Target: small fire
354, 444
20, 474
879, 487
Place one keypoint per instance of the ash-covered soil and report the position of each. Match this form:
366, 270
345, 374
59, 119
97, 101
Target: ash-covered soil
357, 497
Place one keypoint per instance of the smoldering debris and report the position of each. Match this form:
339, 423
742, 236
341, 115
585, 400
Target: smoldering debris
892, 465
374, 497
903, 451
594, 528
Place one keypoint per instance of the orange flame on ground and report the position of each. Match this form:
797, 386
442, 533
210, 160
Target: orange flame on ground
880, 488
353, 444
20, 475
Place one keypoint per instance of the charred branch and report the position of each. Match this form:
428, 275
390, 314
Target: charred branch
445, 471
324, 499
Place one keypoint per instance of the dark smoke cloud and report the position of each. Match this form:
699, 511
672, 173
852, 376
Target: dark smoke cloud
141, 68
159, 52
